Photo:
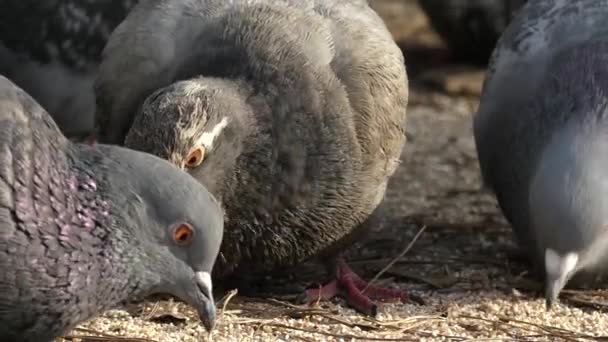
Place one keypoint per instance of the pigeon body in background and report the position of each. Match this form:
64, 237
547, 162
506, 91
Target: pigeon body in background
541, 134
84, 229
52, 49
470, 27
291, 112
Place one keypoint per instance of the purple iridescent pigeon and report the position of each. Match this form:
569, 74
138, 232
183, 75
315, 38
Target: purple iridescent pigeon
85, 228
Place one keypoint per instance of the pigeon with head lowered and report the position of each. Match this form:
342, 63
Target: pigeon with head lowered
291, 112
541, 135
84, 229
51, 49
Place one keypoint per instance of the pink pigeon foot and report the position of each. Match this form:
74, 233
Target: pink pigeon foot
357, 292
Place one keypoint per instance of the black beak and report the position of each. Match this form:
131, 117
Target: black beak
207, 315
552, 290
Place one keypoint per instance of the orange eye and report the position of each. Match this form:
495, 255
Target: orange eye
195, 158
183, 234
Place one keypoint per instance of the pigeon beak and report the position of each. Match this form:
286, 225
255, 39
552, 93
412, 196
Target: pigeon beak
558, 270
550, 298
206, 311
553, 287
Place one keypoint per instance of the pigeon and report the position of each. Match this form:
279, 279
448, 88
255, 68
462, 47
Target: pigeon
470, 27
84, 229
292, 113
52, 48
540, 137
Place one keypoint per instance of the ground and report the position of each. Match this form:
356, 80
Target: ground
459, 265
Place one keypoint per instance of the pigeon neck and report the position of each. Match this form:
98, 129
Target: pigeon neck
109, 213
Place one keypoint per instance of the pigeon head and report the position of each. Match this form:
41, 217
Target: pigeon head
569, 203
200, 125
178, 225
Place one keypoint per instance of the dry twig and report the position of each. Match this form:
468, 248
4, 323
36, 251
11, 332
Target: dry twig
390, 264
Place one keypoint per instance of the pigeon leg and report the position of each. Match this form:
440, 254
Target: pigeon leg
357, 292
351, 284
373, 291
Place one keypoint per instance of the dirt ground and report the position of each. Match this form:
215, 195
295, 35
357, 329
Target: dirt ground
459, 265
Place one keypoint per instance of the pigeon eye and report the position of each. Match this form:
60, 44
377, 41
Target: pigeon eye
195, 158
183, 234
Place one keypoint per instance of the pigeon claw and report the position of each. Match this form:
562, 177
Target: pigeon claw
357, 292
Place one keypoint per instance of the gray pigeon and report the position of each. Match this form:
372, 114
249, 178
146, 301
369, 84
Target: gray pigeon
84, 229
52, 48
291, 112
541, 137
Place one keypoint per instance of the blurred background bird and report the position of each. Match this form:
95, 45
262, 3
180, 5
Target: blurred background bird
470, 27
52, 49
